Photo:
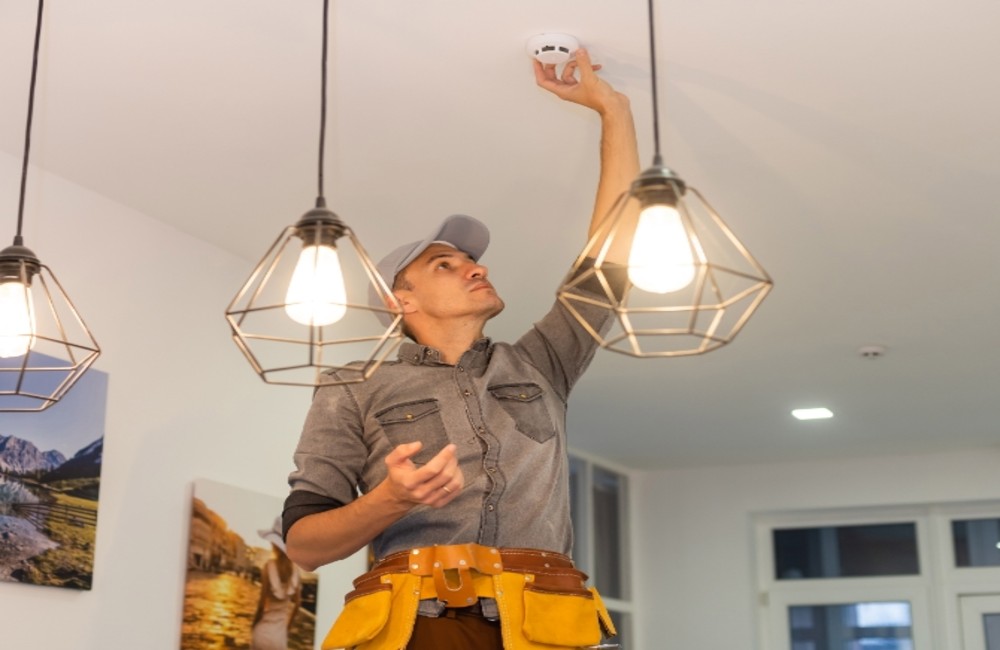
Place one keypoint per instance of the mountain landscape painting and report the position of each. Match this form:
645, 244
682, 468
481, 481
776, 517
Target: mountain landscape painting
50, 478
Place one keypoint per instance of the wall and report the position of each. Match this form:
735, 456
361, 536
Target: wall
182, 404
696, 574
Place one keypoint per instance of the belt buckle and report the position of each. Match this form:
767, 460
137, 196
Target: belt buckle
451, 567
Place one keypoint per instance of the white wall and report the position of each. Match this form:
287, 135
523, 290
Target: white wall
695, 571
182, 404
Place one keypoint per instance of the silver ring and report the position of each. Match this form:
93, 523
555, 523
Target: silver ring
445, 488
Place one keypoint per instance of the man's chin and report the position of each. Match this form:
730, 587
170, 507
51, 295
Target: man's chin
497, 309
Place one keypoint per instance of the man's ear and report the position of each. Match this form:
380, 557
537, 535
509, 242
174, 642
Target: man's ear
406, 300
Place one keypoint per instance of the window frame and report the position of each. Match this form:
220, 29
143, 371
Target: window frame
585, 538
934, 594
959, 581
776, 596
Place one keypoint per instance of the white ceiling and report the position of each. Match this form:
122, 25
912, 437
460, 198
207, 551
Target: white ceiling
853, 146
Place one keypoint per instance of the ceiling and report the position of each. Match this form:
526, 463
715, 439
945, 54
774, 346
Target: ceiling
853, 146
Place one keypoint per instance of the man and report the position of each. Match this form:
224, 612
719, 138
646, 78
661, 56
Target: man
458, 449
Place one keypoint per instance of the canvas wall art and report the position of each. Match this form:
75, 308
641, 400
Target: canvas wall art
241, 590
50, 479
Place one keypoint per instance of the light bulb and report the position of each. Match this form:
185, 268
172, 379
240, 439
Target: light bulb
17, 320
316, 294
660, 260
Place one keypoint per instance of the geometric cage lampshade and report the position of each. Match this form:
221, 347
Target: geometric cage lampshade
294, 319
676, 278
44, 344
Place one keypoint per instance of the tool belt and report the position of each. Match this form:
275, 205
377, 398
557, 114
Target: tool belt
542, 598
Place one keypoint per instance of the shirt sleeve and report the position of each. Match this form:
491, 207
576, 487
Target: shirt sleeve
302, 503
559, 345
329, 458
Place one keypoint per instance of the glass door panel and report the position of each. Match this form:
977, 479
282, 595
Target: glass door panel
980, 622
852, 626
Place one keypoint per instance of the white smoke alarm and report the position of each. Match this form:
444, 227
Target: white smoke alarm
552, 48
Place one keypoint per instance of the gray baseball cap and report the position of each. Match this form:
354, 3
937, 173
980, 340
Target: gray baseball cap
466, 234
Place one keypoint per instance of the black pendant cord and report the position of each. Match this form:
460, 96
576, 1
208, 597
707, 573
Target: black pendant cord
18, 241
657, 158
320, 200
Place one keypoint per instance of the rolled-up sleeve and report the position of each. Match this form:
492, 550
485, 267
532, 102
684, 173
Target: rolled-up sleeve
330, 456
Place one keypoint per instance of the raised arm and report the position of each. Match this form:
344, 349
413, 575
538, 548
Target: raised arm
619, 151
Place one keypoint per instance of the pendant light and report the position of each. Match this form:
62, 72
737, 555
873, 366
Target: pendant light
285, 316
44, 344
676, 277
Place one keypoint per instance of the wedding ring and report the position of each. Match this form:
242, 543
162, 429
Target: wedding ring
445, 488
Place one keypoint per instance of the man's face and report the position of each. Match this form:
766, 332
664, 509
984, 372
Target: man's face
444, 283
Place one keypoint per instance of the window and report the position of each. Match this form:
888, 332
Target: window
976, 542
862, 579
855, 626
846, 551
609, 509
894, 578
599, 507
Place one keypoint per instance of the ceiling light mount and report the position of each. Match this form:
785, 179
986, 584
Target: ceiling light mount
552, 48
320, 226
16, 260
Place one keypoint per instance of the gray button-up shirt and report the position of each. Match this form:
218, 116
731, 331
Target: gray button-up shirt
503, 405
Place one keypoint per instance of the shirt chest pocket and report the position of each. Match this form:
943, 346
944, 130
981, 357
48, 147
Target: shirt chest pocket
524, 403
412, 421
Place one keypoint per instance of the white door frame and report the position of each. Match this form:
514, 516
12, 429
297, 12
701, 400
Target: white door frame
973, 607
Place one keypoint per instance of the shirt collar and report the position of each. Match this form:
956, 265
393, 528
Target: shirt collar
417, 354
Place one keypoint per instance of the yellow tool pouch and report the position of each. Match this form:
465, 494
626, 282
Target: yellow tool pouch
378, 615
547, 612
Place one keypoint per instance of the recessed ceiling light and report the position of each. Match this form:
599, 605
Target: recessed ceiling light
813, 414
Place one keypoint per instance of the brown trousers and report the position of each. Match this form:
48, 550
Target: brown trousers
455, 629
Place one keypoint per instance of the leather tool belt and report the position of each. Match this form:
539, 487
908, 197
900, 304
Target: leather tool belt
542, 598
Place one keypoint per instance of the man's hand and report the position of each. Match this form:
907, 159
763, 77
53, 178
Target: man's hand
324, 537
589, 90
434, 484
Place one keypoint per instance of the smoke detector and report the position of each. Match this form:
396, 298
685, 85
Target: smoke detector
872, 351
552, 48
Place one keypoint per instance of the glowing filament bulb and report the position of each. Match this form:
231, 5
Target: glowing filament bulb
316, 294
17, 320
660, 260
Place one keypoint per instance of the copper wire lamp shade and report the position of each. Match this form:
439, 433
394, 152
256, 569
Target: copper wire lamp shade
44, 344
677, 279
293, 318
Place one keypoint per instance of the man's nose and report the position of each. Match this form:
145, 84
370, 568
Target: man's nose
477, 271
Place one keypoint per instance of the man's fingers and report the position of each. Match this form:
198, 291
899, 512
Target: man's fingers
540, 77
440, 471
447, 492
440, 462
587, 69
568, 72
435, 483
403, 453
